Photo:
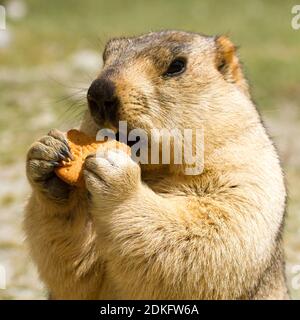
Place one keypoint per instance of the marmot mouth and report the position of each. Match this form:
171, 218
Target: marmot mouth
125, 139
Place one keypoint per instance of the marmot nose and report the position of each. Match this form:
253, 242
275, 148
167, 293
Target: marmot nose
102, 100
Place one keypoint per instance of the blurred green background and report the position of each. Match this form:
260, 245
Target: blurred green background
51, 51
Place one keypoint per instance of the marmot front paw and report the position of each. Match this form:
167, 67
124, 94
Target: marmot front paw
111, 176
42, 158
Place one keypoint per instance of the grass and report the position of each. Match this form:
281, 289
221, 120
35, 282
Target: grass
42, 87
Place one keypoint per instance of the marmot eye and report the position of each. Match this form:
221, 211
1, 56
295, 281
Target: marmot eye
176, 67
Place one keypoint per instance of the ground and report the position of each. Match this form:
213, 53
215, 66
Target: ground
50, 53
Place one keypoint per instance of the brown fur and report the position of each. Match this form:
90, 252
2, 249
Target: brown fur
152, 232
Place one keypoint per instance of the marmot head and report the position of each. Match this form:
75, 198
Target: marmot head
171, 79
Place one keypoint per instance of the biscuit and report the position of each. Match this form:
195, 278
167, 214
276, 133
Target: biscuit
81, 146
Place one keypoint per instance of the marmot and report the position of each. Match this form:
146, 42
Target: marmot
142, 232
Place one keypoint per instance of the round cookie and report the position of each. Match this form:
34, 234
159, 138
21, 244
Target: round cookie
81, 146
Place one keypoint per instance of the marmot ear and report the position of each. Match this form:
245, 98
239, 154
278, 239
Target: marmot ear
228, 63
